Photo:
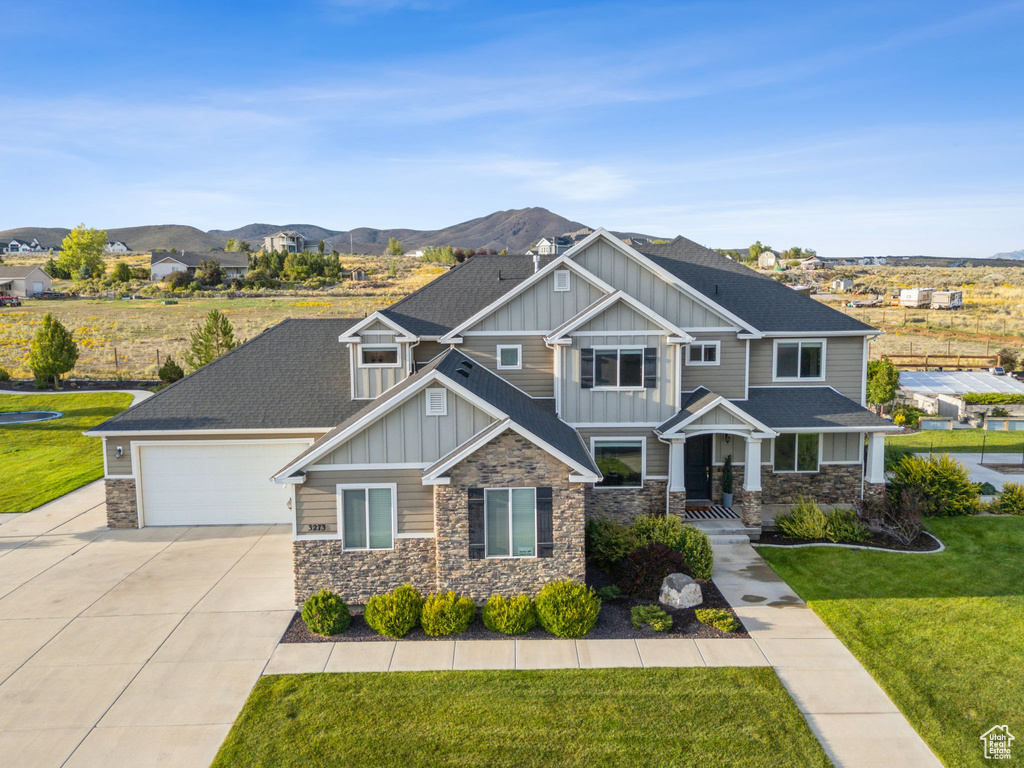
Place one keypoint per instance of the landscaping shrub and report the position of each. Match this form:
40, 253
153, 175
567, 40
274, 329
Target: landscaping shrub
945, 483
992, 398
700, 560
509, 616
717, 618
843, 526
607, 542
170, 371
326, 614
999, 412
652, 529
643, 570
804, 521
4, 374
447, 614
396, 613
899, 516
894, 454
610, 592
984, 489
651, 615
907, 416
1010, 500
567, 608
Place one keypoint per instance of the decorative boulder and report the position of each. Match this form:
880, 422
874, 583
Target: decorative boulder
680, 591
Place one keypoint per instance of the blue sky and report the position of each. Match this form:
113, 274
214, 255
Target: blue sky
854, 128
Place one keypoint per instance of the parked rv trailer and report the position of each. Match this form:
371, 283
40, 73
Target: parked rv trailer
916, 297
947, 299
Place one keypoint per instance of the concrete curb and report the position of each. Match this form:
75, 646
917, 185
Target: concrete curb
942, 547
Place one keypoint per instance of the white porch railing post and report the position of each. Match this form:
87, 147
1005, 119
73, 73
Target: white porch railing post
875, 469
677, 464
752, 465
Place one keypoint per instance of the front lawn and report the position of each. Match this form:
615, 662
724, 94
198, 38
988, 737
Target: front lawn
608, 717
943, 634
46, 459
960, 441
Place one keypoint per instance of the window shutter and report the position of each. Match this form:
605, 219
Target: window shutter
545, 526
587, 368
650, 367
476, 523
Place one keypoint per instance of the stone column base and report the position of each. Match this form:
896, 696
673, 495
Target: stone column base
750, 509
677, 504
121, 509
874, 493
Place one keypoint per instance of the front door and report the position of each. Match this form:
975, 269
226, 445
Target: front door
698, 467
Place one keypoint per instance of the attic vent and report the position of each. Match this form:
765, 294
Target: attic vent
437, 402
464, 368
561, 279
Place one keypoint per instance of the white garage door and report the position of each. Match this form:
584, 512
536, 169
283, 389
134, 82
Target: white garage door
214, 483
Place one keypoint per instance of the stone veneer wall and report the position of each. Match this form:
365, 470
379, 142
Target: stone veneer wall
875, 492
831, 484
626, 504
358, 575
676, 504
507, 461
122, 511
737, 485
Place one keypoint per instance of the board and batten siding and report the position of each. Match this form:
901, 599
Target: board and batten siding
620, 317
657, 451
736, 447
370, 383
426, 351
626, 274
728, 378
540, 307
537, 376
123, 466
596, 406
407, 435
844, 364
316, 500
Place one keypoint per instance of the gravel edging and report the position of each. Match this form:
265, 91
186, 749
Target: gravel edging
940, 548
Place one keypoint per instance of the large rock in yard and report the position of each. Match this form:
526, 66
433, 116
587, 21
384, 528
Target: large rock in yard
680, 591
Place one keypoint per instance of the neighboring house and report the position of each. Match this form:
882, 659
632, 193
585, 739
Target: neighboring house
24, 246
23, 281
460, 438
812, 263
287, 240
553, 246
163, 264
117, 246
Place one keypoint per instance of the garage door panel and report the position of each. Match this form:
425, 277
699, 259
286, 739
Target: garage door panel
214, 483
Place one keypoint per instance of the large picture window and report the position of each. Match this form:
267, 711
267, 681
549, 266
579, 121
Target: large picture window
796, 360
367, 516
619, 368
621, 462
796, 453
510, 522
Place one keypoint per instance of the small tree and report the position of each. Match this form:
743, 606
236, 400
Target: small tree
210, 272
170, 371
53, 352
122, 272
1008, 358
321, 246
178, 279
394, 247
883, 381
211, 339
392, 270
56, 271
83, 248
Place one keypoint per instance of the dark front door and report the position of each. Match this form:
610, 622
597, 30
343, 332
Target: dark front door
698, 467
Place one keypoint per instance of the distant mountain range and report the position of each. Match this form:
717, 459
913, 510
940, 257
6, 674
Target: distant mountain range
515, 230
1016, 255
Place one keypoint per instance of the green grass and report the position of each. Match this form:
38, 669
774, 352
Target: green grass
961, 441
612, 717
943, 634
46, 459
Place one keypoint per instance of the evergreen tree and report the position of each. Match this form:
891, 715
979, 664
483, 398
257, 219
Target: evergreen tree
211, 339
53, 352
170, 371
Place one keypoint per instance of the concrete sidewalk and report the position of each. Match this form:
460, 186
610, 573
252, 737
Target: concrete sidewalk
980, 474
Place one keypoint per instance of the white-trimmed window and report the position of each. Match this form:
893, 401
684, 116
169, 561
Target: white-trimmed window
621, 460
618, 367
799, 360
510, 522
437, 401
562, 280
797, 452
704, 353
510, 357
367, 516
378, 356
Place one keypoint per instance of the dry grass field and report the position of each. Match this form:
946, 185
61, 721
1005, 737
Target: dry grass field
140, 329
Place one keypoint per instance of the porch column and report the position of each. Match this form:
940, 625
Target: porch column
875, 469
676, 502
750, 505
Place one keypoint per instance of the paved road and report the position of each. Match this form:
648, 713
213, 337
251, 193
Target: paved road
131, 647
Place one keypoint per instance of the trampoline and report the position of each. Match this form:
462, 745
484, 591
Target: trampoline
26, 417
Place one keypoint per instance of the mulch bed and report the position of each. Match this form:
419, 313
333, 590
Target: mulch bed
1006, 469
614, 623
85, 385
923, 543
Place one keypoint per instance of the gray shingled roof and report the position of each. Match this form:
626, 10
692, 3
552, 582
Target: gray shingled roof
533, 415
465, 289
696, 400
292, 376
807, 407
9, 271
766, 304
194, 259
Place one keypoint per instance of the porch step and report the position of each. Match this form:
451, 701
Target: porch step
728, 531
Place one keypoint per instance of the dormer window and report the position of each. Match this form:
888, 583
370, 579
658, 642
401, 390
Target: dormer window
561, 280
378, 356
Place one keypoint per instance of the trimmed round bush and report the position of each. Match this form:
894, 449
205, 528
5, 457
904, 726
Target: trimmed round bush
843, 526
1010, 500
607, 542
396, 613
653, 529
567, 608
326, 614
700, 560
652, 616
509, 615
447, 614
643, 570
717, 618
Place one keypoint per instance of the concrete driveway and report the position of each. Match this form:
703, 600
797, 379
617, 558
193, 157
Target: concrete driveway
131, 647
